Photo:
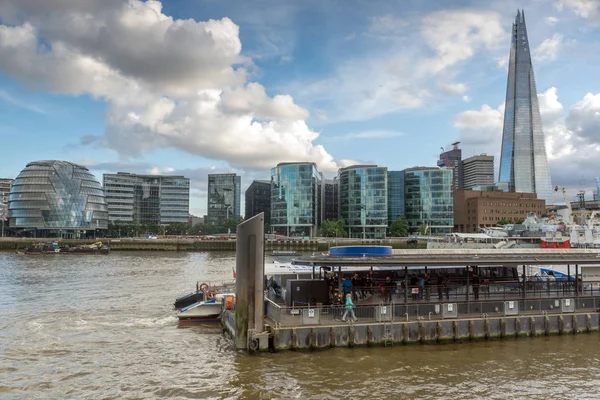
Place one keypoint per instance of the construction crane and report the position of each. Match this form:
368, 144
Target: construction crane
558, 188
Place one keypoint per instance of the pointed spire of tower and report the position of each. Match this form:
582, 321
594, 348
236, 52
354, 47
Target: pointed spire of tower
523, 162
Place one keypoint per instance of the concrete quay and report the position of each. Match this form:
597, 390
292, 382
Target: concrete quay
460, 330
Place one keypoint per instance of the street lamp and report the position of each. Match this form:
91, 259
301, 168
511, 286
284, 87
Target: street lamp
2, 214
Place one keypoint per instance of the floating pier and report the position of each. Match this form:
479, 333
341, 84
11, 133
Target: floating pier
528, 309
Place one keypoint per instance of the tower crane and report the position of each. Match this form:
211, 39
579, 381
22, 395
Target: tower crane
559, 188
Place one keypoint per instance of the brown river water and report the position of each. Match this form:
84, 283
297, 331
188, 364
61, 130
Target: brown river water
102, 327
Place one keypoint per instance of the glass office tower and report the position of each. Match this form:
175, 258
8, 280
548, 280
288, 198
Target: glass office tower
523, 163
224, 197
395, 195
56, 198
147, 199
295, 199
364, 200
429, 199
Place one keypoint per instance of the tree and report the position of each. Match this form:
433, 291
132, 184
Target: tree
330, 228
399, 227
423, 229
504, 221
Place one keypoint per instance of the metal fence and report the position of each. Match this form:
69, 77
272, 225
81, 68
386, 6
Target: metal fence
389, 312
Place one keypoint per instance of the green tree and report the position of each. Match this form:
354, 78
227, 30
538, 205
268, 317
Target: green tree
399, 227
423, 229
505, 221
330, 228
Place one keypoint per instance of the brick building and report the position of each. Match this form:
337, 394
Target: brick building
478, 209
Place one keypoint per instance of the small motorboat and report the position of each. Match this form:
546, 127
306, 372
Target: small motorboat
200, 294
209, 310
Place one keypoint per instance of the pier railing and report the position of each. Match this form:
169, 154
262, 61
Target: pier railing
537, 301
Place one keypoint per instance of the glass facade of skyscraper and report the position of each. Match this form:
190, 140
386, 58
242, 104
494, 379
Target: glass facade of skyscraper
429, 199
147, 199
395, 195
56, 198
523, 163
295, 199
224, 197
364, 200
258, 200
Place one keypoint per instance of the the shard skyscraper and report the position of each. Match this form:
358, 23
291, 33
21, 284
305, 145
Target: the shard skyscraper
523, 162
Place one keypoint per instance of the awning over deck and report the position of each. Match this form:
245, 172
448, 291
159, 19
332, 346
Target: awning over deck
462, 257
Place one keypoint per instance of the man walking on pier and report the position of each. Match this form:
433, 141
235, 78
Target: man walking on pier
388, 287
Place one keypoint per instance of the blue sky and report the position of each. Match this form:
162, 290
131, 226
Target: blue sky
197, 86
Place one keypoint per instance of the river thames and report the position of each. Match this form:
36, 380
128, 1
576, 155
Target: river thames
103, 327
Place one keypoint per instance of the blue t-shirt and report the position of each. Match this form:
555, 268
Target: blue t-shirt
347, 285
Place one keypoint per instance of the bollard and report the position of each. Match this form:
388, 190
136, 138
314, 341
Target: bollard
454, 331
294, 338
588, 323
561, 325
332, 337
471, 330
405, 334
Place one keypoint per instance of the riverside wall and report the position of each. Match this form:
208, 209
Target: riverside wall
313, 245
462, 330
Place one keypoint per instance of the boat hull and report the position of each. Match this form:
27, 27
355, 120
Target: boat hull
201, 311
188, 299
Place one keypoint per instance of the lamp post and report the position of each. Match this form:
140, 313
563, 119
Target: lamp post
2, 214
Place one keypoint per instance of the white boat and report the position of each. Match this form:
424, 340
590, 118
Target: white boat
209, 310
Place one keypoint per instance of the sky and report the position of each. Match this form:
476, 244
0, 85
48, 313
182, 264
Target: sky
207, 86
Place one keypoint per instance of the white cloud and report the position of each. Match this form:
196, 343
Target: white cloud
456, 35
374, 134
453, 88
387, 26
549, 48
551, 20
422, 65
589, 9
584, 120
167, 82
466, 98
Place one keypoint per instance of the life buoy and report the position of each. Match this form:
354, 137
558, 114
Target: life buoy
211, 294
203, 287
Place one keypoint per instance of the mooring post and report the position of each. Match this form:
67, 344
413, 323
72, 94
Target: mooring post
249, 269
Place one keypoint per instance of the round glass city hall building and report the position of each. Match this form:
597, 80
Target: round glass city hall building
56, 198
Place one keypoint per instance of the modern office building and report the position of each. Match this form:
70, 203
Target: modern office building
478, 171
295, 199
330, 201
474, 209
597, 189
453, 159
523, 162
364, 200
224, 197
258, 199
395, 195
147, 199
429, 199
56, 198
